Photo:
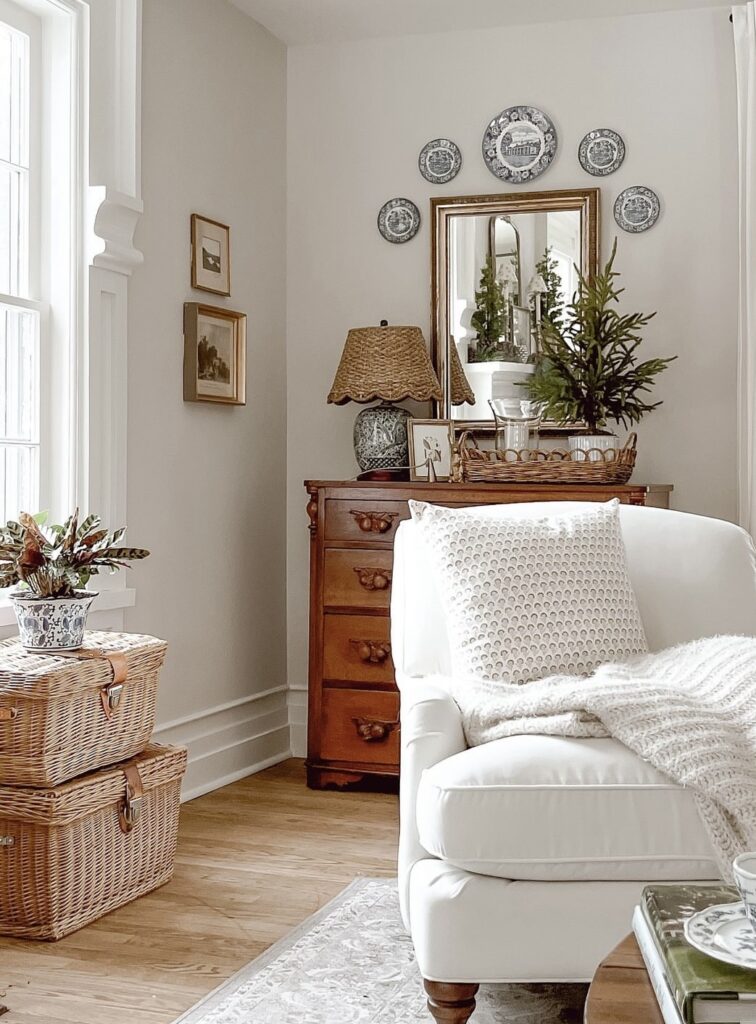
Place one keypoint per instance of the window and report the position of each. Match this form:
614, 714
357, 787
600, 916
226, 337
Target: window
20, 308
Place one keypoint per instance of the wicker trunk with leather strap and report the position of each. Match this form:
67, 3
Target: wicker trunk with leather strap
63, 714
71, 854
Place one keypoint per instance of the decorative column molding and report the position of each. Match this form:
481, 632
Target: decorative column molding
114, 224
113, 209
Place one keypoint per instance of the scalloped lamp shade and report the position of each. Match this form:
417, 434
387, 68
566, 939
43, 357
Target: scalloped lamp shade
388, 363
461, 391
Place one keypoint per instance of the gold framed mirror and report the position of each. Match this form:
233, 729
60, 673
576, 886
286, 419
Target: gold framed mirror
498, 263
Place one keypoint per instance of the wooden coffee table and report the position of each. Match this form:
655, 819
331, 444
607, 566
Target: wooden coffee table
621, 992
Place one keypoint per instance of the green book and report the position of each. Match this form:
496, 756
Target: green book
705, 989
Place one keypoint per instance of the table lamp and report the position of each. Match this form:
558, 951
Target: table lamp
388, 365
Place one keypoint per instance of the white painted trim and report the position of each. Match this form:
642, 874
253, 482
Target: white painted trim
225, 746
114, 206
198, 716
297, 702
226, 780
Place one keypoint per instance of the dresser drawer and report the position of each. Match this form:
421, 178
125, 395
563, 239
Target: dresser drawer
356, 648
360, 726
364, 520
357, 579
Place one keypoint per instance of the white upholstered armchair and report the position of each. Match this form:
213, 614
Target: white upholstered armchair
522, 859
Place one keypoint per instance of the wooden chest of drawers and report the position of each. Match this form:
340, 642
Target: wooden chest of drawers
353, 716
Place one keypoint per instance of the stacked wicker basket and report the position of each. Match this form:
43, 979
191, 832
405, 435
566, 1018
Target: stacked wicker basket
88, 806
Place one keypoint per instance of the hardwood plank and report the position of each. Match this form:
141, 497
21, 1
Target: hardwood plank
621, 991
254, 860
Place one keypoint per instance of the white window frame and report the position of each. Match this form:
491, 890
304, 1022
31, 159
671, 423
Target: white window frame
25, 294
95, 52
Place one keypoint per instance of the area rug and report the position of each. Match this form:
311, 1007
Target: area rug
353, 963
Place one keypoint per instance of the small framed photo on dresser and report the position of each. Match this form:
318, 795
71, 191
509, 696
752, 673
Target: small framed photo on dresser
430, 443
211, 255
215, 349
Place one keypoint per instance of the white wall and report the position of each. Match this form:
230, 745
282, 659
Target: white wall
206, 484
358, 114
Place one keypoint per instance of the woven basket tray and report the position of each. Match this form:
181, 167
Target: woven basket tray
71, 854
540, 466
63, 716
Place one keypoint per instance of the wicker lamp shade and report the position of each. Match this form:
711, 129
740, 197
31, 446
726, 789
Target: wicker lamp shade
461, 391
388, 363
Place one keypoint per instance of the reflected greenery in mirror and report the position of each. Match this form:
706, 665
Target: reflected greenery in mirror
501, 264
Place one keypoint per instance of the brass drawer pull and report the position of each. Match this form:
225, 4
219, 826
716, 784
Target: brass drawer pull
373, 522
7, 841
373, 730
372, 652
373, 579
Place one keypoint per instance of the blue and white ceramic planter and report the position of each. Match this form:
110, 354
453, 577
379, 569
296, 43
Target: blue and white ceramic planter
52, 623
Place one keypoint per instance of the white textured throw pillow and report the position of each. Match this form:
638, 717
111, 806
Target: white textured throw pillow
526, 598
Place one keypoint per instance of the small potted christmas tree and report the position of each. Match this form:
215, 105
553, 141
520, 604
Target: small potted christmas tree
490, 321
496, 366
589, 370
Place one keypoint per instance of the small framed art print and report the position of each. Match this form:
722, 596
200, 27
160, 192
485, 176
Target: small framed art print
215, 349
211, 255
430, 441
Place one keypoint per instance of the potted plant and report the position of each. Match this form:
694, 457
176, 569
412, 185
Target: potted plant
589, 370
496, 364
490, 321
51, 567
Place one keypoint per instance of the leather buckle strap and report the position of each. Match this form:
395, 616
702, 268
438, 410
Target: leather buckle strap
8, 714
110, 695
131, 810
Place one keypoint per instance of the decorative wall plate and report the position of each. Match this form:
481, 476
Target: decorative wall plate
637, 208
601, 152
519, 144
399, 220
440, 161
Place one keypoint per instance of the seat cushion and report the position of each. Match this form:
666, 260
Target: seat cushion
554, 808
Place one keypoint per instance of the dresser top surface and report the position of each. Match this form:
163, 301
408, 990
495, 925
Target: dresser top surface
421, 485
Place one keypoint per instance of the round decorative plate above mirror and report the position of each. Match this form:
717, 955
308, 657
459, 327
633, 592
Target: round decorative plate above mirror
398, 220
601, 152
440, 161
519, 144
637, 208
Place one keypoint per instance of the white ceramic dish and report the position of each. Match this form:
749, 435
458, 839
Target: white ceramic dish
723, 932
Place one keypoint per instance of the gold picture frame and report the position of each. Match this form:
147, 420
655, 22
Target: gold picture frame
434, 439
443, 211
215, 354
211, 255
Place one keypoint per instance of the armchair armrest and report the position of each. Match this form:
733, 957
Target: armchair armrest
431, 731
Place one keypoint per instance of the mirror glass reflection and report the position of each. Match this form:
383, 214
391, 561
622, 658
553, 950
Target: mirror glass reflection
506, 271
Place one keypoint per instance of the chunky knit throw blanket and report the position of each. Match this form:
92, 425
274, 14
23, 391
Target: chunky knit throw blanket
690, 711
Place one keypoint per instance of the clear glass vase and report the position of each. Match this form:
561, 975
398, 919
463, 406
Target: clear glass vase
517, 425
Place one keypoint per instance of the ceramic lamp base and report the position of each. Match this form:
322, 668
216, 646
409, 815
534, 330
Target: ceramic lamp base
380, 437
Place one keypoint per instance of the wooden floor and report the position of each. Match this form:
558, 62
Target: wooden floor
254, 859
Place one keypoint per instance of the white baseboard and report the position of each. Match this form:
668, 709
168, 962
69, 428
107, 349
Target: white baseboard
298, 721
231, 741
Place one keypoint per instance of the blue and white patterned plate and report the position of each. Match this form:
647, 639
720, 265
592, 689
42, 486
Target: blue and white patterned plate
601, 151
519, 144
724, 933
637, 209
440, 161
398, 220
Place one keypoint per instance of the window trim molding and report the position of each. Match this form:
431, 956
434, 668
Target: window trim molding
115, 205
